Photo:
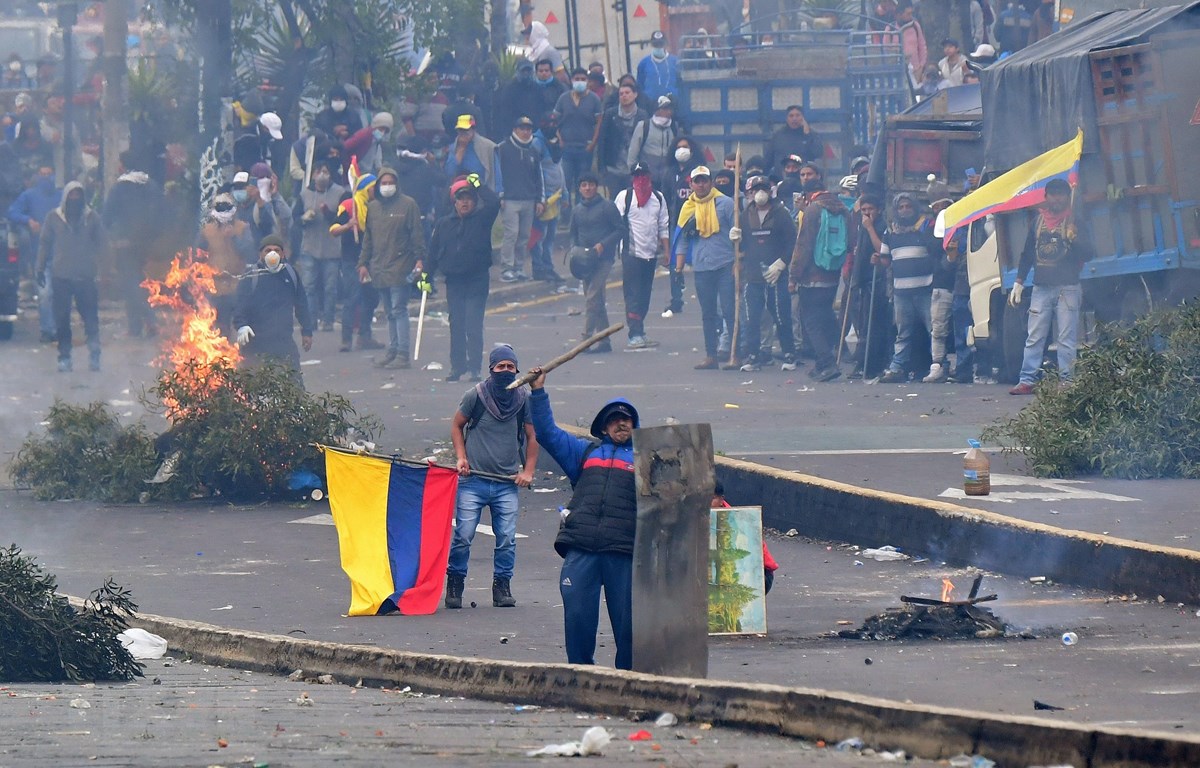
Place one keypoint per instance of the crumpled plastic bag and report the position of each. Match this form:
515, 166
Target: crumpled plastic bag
595, 739
884, 553
142, 644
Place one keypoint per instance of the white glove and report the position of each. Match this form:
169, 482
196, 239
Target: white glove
245, 333
775, 270
1014, 295
735, 233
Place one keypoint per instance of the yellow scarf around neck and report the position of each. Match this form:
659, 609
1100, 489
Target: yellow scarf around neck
705, 211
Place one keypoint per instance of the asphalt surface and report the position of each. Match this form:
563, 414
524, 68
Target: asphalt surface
255, 568
184, 714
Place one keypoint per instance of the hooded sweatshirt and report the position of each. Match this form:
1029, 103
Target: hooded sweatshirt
393, 241
72, 248
804, 270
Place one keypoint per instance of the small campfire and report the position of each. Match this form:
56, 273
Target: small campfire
185, 294
936, 619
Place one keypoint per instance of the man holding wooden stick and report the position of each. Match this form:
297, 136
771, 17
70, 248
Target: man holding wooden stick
707, 230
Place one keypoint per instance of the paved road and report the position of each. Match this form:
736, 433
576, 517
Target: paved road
199, 715
1136, 665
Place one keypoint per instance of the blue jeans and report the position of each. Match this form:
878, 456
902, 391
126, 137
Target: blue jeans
575, 161
715, 292
86, 299
964, 355
474, 493
1062, 304
395, 305
358, 303
46, 306
320, 279
912, 308
583, 574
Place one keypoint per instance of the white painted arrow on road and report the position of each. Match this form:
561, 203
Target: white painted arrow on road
1050, 490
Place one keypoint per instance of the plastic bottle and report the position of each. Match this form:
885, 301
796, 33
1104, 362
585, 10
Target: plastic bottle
1070, 638
977, 471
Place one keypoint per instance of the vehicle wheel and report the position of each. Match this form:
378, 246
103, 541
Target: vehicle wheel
6, 330
1015, 324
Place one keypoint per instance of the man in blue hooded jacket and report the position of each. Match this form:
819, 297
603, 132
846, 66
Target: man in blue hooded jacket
595, 536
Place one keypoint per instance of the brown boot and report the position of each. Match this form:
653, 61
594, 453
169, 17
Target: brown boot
707, 364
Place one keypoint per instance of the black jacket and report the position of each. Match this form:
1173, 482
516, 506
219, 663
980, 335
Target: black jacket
597, 221
462, 245
786, 142
520, 176
615, 135
267, 303
772, 239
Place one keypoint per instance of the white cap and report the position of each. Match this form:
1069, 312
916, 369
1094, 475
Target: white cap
984, 51
241, 177
273, 124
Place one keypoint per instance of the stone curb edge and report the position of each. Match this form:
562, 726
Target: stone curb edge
923, 731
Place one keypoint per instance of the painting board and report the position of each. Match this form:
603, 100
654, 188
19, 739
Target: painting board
736, 590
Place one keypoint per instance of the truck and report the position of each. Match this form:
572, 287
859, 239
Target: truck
1124, 78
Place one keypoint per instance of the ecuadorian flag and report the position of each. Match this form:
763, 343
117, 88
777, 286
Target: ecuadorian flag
394, 524
1022, 187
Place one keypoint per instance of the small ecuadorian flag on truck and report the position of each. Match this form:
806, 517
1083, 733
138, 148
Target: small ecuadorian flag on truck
1022, 187
394, 524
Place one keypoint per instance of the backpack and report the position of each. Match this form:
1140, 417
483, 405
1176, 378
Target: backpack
477, 414
627, 238
829, 251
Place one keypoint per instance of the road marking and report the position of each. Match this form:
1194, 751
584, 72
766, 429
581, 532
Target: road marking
327, 519
542, 300
1052, 490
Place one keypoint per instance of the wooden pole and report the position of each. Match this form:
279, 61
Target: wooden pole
737, 255
410, 462
529, 376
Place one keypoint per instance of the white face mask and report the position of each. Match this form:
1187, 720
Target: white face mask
273, 261
338, 105
658, 53
387, 190
660, 121
223, 217
762, 197
683, 154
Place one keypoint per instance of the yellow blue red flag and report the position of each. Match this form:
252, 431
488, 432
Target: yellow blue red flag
1022, 187
394, 524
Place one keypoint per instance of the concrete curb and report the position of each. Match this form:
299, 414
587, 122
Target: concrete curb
962, 536
922, 731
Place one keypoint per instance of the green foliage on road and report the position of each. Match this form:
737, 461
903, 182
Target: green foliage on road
43, 638
237, 433
86, 453
1132, 411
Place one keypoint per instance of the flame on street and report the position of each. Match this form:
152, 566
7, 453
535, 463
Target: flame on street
186, 294
947, 590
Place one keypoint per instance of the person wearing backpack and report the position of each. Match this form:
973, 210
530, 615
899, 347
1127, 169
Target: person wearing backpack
817, 260
645, 214
912, 251
267, 300
492, 432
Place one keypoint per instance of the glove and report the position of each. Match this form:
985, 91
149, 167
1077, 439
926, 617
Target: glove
423, 283
775, 270
245, 333
1014, 295
474, 179
735, 233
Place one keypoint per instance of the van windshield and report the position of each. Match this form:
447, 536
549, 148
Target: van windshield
21, 41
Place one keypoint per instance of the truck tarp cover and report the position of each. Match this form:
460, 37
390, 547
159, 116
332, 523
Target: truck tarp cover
1049, 84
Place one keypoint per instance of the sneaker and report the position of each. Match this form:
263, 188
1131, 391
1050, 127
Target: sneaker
750, 367
399, 363
668, 313
369, 343
856, 374
893, 376
829, 374
598, 349
985, 379
64, 365
789, 363
508, 276
522, 276
454, 590
383, 362
502, 594
640, 342
474, 377
94, 363
452, 376
937, 374
1024, 388
346, 346
707, 364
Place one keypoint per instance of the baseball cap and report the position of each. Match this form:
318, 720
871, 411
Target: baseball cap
757, 182
464, 123
658, 39
524, 121
241, 177
460, 186
664, 101
272, 123
641, 169
983, 51
700, 170
794, 159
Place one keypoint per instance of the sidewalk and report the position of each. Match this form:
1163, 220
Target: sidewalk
189, 714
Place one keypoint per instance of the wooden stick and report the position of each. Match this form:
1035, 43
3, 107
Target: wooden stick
529, 376
737, 254
410, 462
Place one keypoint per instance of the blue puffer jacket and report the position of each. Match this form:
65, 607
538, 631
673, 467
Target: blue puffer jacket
603, 509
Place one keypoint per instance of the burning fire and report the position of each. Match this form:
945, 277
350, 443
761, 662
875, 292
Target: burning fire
947, 590
186, 292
